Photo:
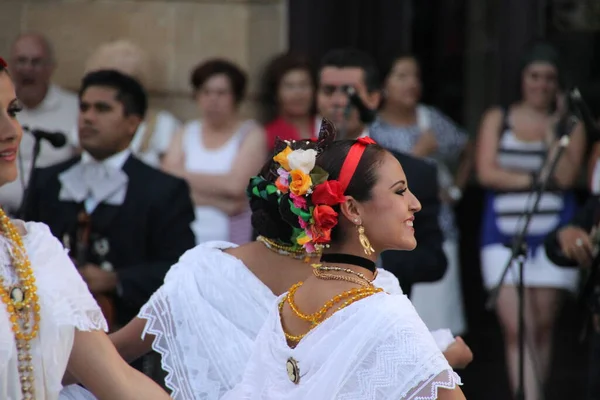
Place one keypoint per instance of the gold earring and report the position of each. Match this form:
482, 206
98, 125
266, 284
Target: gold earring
364, 241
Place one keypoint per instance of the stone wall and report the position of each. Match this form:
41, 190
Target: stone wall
177, 34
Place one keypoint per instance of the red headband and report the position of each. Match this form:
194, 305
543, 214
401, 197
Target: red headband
3, 63
352, 160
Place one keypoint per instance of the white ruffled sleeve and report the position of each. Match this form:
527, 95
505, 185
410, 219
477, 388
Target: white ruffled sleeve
205, 318
64, 290
65, 305
404, 362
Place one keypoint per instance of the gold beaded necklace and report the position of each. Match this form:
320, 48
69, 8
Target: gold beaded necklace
289, 251
21, 302
351, 296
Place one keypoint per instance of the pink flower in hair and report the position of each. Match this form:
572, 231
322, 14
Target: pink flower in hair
283, 182
283, 173
309, 247
303, 224
299, 201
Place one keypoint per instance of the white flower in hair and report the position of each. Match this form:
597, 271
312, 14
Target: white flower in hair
304, 160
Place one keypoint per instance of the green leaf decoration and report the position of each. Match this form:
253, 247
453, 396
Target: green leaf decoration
271, 189
296, 233
305, 215
318, 175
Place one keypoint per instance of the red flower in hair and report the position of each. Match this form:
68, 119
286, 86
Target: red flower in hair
366, 141
329, 193
320, 236
3, 63
325, 218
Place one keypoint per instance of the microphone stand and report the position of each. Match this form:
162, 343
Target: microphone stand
519, 254
27, 193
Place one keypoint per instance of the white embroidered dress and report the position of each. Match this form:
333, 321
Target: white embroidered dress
206, 317
65, 305
376, 348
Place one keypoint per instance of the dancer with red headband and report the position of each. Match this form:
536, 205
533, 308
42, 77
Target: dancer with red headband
335, 335
206, 316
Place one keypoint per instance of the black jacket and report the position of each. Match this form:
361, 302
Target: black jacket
585, 218
146, 234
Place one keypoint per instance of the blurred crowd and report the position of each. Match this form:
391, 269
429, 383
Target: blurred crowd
142, 221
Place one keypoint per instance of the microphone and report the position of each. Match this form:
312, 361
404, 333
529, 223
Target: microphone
366, 115
56, 139
584, 115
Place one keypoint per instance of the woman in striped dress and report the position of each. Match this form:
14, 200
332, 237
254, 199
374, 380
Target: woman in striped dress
512, 146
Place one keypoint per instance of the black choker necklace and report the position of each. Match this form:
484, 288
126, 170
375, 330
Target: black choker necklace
337, 258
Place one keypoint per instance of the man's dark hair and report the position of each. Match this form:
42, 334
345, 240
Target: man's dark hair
354, 58
130, 92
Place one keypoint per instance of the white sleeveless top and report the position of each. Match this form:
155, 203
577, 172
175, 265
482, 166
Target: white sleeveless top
517, 155
211, 223
65, 305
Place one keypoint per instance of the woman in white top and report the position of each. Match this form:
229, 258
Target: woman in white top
513, 145
218, 154
49, 321
336, 335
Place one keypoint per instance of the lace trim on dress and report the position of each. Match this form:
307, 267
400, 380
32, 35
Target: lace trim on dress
446, 380
162, 327
204, 323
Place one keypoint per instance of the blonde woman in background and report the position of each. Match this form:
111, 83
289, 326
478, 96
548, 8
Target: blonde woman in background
153, 136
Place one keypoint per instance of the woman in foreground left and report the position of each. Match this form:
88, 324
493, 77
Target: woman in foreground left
49, 322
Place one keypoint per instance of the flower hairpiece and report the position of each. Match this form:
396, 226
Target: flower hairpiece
310, 195
3, 63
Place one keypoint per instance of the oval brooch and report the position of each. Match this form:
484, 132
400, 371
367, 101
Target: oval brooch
292, 370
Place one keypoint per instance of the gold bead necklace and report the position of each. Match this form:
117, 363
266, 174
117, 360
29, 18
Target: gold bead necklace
318, 268
21, 302
336, 277
289, 251
317, 318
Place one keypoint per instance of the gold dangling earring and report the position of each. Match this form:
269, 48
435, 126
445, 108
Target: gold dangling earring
364, 241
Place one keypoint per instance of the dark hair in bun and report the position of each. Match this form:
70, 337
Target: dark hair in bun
264, 197
268, 217
264, 204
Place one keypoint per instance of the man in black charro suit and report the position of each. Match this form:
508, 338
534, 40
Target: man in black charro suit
573, 246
